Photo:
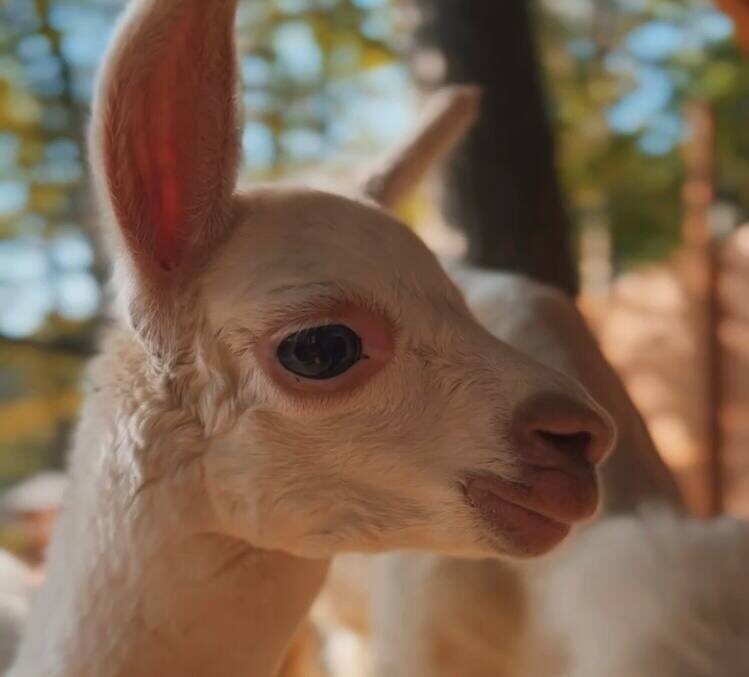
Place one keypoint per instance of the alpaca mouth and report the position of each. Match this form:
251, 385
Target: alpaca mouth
532, 517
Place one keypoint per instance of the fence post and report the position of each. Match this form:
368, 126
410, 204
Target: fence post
704, 252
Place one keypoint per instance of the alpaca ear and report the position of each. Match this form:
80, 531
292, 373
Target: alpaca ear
164, 136
448, 116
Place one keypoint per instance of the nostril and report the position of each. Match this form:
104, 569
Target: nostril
577, 444
552, 427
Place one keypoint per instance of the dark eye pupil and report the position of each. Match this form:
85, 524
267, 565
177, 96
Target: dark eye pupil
320, 352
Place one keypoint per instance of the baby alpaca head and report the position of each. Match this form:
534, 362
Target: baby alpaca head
347, 398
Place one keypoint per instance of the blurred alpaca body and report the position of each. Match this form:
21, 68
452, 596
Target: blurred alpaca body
653, 594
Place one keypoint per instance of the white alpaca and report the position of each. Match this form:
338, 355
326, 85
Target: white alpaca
644, 592
293, 376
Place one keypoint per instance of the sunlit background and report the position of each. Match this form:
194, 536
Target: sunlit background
331, 81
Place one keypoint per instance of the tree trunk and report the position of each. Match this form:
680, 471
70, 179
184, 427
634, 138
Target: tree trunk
501, 187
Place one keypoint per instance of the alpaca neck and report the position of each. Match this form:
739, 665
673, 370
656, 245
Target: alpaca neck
204, 605
140, 581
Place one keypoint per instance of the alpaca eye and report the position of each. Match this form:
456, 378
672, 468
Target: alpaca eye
320, 352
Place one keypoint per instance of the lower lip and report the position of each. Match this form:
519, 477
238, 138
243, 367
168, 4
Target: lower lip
521, 532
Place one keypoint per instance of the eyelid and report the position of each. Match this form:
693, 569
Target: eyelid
362, 319
302, 325
300, 313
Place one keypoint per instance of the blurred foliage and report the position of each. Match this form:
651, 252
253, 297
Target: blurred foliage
620, 73
322, 81
312, 71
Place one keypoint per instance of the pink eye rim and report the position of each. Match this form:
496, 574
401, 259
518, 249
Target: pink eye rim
378, 341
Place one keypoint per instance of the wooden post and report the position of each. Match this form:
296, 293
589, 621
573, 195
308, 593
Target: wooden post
703, 251
715, 390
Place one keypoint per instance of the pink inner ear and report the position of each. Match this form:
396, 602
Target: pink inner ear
166, 123
164, 187
167, 133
